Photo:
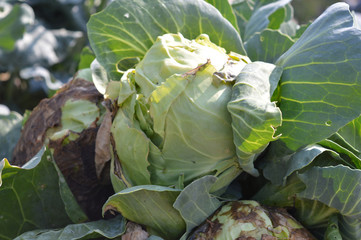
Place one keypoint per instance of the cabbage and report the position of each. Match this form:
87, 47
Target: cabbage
247, 219
179, 113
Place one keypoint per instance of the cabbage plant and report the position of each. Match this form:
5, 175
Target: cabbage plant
247, 219
286, 105
179, 114
212, 101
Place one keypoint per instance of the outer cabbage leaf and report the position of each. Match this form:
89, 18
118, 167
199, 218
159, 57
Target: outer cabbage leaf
244, 9
350, 227
318, 194
167, 212
313, 214
351, 159
151, 206
335, 186
338, 187
320, 89
281, 162
254, 116
35, 197
134, 163
268, 45
195, 203
125, 30
109, 229
277, 195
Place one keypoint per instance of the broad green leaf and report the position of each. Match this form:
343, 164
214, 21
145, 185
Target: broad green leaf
226, 10
352, 133
195, 202
268, 45
281, 162
260, 18
151, 206
350, 227
317, 193
13, 21
320, 86
109, 229
71, 206
313, 214
253, 112
10, 129
135, 162
127, 29
336, 186
33, 197
340, 140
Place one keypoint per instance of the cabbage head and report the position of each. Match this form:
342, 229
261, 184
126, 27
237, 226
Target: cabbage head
247, 219
176, 111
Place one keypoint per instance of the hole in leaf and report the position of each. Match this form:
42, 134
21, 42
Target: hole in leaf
328, 123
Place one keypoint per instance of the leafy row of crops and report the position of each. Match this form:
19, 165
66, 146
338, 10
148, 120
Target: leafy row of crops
182, 106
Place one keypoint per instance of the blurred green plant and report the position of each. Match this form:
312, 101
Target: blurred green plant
40, 47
